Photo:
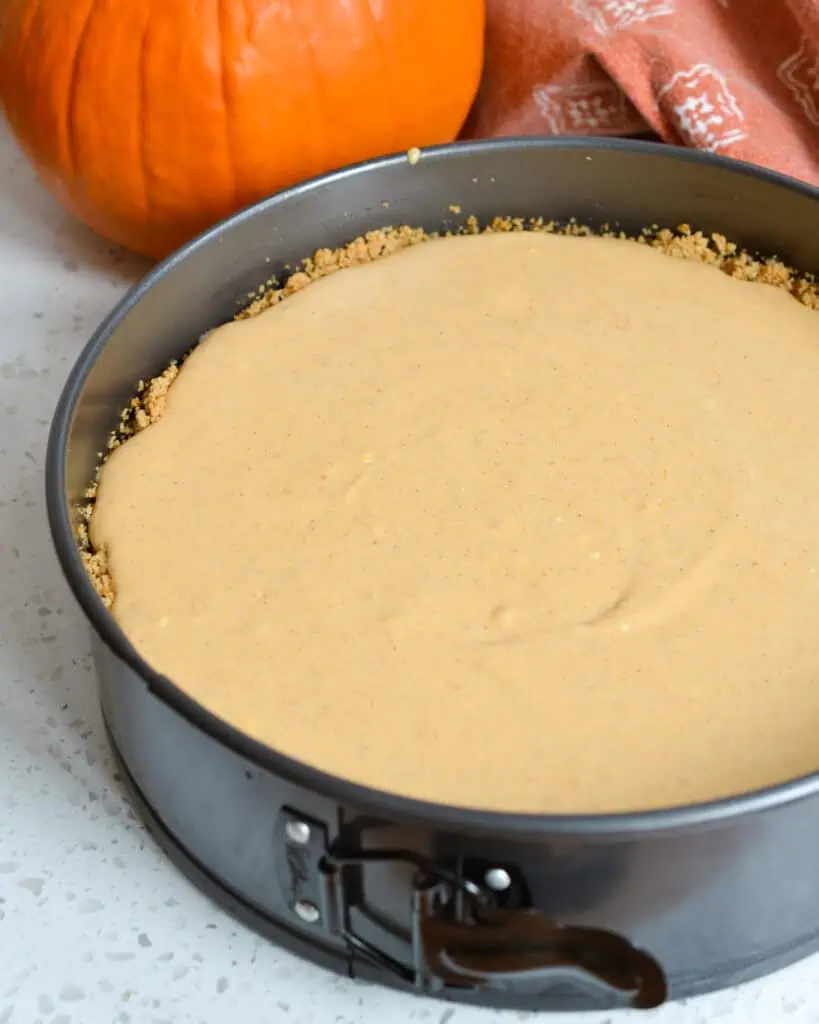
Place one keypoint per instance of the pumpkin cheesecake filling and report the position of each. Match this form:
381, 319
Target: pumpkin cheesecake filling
511, 520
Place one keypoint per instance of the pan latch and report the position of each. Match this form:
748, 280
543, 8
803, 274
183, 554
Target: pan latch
463, 934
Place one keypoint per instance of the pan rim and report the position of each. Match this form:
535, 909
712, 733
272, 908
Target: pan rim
476, 820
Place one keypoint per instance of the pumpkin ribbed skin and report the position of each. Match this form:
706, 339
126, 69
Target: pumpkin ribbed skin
152, 119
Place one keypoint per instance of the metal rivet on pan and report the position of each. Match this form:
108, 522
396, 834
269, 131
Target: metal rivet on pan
297, 832
497, 879
307, 911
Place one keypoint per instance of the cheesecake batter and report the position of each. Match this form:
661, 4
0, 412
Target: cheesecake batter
513, 521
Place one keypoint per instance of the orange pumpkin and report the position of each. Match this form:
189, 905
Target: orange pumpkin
152, 119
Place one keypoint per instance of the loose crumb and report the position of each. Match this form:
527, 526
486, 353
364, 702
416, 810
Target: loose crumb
151, 397
413, 155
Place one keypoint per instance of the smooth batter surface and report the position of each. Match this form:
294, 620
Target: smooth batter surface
515, 521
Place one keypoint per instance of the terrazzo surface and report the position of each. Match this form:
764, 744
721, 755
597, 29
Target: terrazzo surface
96, 927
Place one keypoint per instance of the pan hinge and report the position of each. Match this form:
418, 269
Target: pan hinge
464, 934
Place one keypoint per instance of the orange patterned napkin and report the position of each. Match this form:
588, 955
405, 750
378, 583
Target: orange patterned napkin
736, 77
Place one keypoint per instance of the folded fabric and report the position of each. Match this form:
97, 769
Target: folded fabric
736, 77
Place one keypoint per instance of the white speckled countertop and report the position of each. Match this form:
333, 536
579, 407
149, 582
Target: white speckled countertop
96, 927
